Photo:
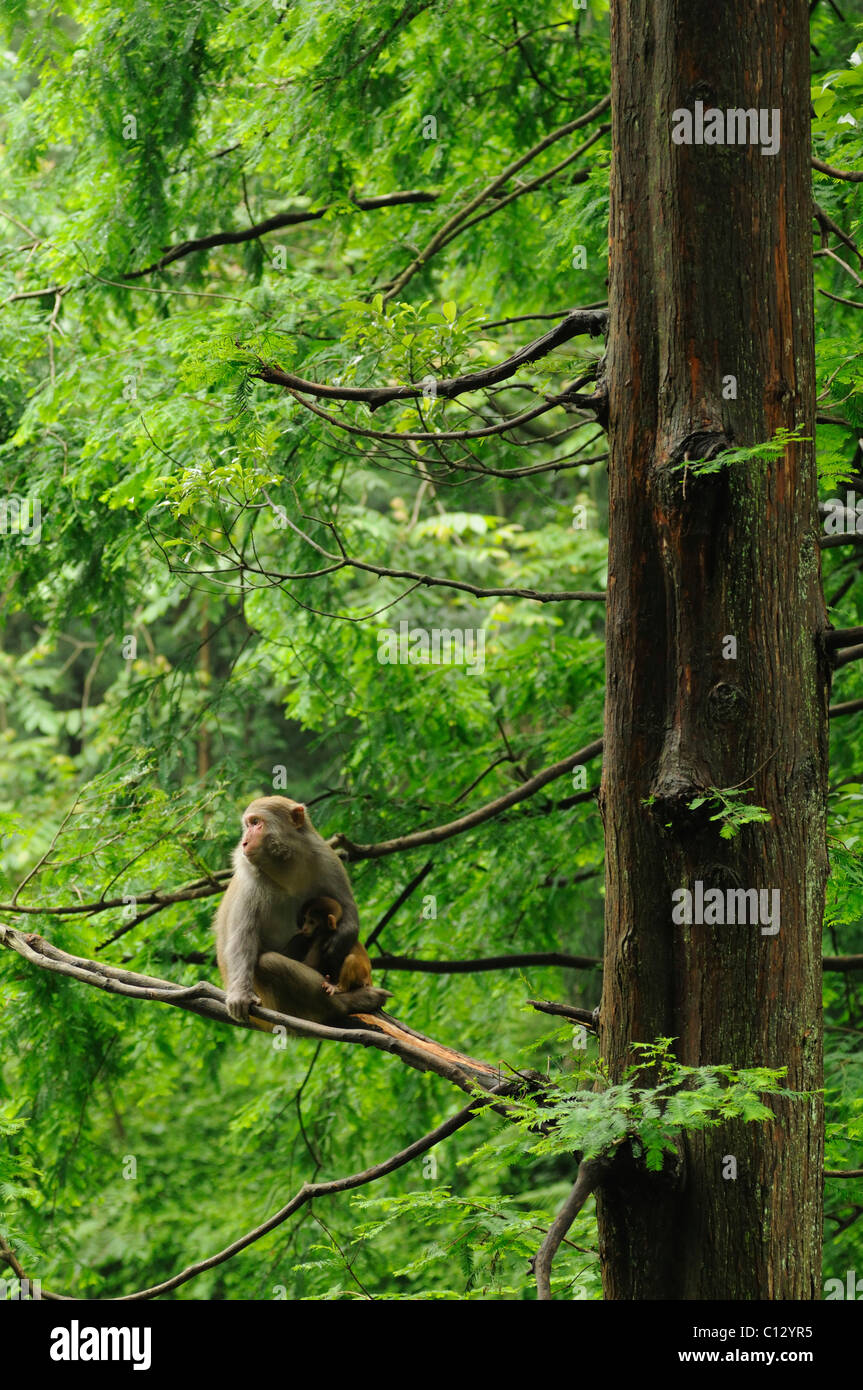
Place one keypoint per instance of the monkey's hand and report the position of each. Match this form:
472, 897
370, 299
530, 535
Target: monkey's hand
238, 1001
327, 987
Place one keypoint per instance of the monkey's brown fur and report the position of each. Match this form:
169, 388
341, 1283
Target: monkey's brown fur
320, 917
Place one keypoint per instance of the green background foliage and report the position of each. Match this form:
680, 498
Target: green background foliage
186, 504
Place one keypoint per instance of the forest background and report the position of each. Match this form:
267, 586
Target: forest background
200, 562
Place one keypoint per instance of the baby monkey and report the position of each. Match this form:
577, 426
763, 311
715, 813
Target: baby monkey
321, 918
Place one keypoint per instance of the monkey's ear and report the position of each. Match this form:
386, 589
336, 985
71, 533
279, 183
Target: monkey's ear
298, 815
331, 921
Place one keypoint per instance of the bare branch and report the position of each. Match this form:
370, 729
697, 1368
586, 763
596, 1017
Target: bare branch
838, 637
202, 888
581, 177
828, 251
559, 314
831, 542
850, 175
846, 707
597, 402
433, 581
274, 224
40, 862
850, 654
407, 892
839, 299
475, 966
387, 572
206, 999
588, 1017
52, 290
309, 1191
578, 322
589, 1174
435, 834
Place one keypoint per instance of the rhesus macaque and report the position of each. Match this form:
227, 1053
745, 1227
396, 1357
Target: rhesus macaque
280, 863
321, 917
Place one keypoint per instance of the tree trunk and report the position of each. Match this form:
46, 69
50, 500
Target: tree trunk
711, 279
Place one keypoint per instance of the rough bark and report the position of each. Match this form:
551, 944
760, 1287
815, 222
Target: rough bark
710, 278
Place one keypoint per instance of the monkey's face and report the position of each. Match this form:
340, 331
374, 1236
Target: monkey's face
321, 913
272, 826
254, 836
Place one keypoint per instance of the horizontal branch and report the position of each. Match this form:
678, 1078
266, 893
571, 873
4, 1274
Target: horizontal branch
588, 1017
846, 707
843, 963
435, 834
435, 582
527, 318
544, 958
447, 388
831, 542
215, 882
480, 963
274, 224
201, 888
208, 1001
843, 538
838, 637
848, 655
597, 402
839, 964
849, 175
51, 290
558, 465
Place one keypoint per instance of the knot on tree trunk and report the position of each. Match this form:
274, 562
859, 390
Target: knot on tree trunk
676, 483
727, 703
672, 790
680, 777
699, 446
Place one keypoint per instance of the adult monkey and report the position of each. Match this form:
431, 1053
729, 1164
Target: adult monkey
280, 863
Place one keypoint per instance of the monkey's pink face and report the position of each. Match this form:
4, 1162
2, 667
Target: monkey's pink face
254, 834
270, 832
